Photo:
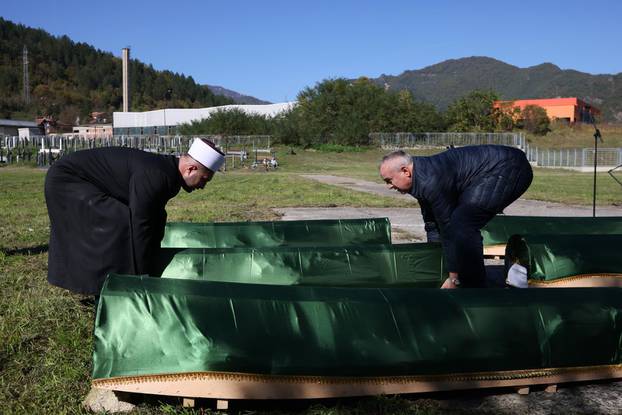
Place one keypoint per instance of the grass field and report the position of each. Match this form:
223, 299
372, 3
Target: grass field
577, 136
45, 332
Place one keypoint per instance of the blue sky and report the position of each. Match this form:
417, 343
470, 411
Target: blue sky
273, 49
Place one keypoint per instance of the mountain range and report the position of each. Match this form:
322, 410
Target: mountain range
442, 83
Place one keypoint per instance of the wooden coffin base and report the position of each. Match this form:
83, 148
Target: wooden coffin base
225, 386
580, 281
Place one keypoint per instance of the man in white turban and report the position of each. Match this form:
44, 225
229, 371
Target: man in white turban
107, 209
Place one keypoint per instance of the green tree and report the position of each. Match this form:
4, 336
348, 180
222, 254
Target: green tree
535, 120
473, 112
229, 122
505, 116
339, 111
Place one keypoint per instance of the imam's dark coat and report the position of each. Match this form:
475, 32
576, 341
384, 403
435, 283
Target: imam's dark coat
106, 209
464, 188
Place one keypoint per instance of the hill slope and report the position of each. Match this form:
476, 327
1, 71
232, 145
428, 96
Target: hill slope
69, 79
236, 96
443, 82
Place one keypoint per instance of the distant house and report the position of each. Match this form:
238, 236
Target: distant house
93, 130
12, 127
571, 110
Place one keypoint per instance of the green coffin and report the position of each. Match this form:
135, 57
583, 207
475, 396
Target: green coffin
550, 257
418, 265
267, 234
149, 326
502, 227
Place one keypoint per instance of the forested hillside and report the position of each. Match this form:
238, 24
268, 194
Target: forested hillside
236, 96
444, 82
70, 80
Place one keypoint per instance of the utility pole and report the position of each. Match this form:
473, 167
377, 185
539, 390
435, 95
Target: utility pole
26, 79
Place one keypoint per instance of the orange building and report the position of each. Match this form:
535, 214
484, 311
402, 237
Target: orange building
568, 109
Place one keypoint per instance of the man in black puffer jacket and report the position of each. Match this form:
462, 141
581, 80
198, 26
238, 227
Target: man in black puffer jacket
459, 191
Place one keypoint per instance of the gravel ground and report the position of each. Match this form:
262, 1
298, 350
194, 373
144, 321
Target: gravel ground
407, 226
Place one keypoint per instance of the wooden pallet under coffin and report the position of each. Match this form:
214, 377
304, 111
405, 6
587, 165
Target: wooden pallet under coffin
201, 339
580, 281
227, 386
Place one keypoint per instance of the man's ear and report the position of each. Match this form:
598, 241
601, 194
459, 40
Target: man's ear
406, 171
188, 169
191, 168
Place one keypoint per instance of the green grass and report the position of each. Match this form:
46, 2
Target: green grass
46, 333
577, 136
572, 187
361, 164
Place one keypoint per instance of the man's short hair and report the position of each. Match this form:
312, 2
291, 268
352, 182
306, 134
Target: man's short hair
399, 157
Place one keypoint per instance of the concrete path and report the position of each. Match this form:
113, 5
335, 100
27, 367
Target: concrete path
407, 224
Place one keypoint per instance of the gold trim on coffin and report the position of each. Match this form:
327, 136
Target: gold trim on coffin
224, 385
581, 280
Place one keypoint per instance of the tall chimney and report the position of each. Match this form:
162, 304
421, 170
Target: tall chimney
126, 79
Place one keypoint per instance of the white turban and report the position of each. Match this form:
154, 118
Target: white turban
206, 155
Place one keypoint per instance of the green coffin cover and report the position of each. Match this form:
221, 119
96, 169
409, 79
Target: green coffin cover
148, 326
550, 257
366, 265
279, 233
502, 227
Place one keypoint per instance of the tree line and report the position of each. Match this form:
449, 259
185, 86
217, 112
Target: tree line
72, 79
343, 112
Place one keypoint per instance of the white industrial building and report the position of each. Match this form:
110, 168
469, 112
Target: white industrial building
166, 121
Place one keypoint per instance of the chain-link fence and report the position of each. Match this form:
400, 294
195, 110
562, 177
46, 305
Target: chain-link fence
417, 140
44, 150
574, 158
577, 158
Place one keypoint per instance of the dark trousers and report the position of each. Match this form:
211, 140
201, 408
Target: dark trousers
467, 241
472, 214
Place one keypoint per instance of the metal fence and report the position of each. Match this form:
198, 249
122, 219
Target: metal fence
44, 150
415, 140
574, 158
577, 158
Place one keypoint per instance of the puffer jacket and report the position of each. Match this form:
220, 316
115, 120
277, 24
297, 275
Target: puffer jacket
483, 176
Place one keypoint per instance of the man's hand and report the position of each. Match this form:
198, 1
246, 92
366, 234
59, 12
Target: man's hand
451, 282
